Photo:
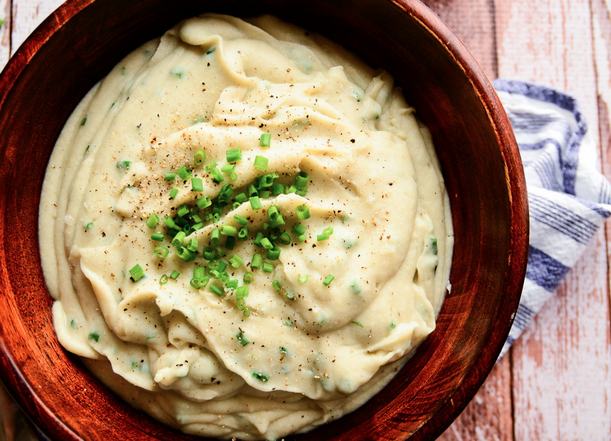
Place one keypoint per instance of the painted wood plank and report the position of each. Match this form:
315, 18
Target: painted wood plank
473, 22
601, 29
489, 416
5, 31
27, 15
560, 365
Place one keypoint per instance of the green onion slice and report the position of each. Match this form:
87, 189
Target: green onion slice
199, 157
136, 273
261, 163
161, 252
303, 212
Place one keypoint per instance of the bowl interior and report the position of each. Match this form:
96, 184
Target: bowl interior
79, 44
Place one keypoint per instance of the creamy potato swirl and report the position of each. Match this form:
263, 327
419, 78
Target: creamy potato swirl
325, 324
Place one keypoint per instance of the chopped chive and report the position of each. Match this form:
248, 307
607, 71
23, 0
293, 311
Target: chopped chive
157, 237
328, 280
240, 219
199, 272
216, 290
256, 262
393, 325
204, 202
252, 191
230, 242
277, 189
236, 261
177, 72
278, 222
170, 176
124, 165
174, 275
299, 229
273, 254
192, 244
230, 170
357, 323
261, 163
228, 230
241, 292
233, 155
303, 212
243, 233
242, 339
265, 140
225, 195
241, 198
169, 222
84, 121
258, 238
434, 245
185, 254
183, 210
197, 184
231, 284
94, 336
255, 203
89, 225
325, 234
267, 267
248, 277
266, 243
215, 237
199, 157
184, 172
301, 181
216, 175
161, 252
261, 377
276, 285
302, 278
199, 282
273, 213
209, 253
178, 240
267, 180
136, 273
173, 193
152, 221
163, 280
284, 239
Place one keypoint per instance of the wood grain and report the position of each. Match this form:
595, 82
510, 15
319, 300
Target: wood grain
27, 15
559, 368
561, 381
477, 150
555, 383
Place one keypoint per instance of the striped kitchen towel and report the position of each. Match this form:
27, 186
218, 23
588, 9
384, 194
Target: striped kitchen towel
569, 198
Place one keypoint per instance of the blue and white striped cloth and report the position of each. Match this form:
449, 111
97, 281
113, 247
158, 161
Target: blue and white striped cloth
568, 196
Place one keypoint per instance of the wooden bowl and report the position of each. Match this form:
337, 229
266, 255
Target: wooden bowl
78, 45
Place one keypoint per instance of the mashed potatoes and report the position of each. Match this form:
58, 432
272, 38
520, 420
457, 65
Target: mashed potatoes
250, 229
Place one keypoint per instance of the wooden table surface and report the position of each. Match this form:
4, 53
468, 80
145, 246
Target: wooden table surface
555, 383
